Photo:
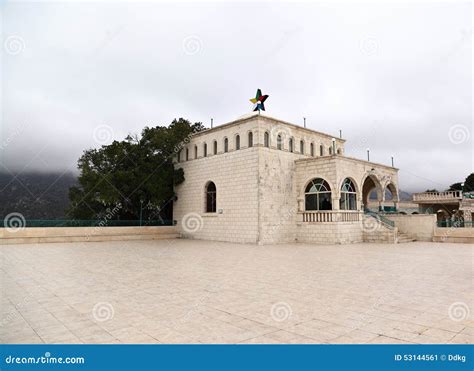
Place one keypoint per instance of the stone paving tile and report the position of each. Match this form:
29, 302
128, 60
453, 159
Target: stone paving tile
261, 340
400, 335
386, 340
443, 335
184, 291
359, 336
468, 331
462, 339
22, 339
283, 336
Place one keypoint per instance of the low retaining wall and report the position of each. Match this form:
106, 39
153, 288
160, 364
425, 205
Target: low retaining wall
382, 235
420, 227
85, 234
329, 233
459, 235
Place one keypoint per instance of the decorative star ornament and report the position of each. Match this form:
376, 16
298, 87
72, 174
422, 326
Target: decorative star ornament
258, 101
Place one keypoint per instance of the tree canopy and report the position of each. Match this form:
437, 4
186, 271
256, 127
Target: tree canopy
132, 176
469, 183
455, 187
467, 186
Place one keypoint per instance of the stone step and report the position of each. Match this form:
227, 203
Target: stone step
404, 238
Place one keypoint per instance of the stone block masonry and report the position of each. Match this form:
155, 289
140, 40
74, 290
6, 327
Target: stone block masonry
260, 167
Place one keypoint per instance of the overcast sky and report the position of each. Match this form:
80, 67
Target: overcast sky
395, 78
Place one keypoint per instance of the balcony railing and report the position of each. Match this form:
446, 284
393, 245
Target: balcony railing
437, 196
330, 216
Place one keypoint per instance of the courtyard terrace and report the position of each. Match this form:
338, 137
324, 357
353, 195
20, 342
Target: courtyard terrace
187, 291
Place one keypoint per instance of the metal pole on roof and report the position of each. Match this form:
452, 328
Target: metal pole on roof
212, 122
304, 121
340, 133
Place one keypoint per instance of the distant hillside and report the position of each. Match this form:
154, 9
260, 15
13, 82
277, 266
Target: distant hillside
404, 196
35, 195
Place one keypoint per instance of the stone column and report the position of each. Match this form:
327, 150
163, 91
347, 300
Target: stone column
467, 215
335, 202
300, 204
381, 198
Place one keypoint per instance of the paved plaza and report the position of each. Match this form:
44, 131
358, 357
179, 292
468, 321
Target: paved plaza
187, 291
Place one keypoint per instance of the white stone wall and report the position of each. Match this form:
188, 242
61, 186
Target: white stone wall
255, 186
457, 235
235, 175
420, 226
277, 196
260, 190
329, 233
34, 235
377, 232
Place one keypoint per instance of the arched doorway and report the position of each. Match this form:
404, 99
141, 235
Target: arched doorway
391, 194
371, 185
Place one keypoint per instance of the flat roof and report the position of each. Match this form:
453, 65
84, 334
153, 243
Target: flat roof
252, 115
348, 158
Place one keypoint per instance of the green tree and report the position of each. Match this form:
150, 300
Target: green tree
469, 183
135, 174
455, 187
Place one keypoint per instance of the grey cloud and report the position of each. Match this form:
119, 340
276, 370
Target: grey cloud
395, 78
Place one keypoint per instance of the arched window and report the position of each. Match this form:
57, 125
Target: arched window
348, 199
250, 139
215, 147
290, 145
211, 197
318, 195
279, 142
237, 141
195, 151
338, 151
179, 156
187, 154
312, 149
321, 150
330, 150
302, 147
205, 149
266, 139
226, 145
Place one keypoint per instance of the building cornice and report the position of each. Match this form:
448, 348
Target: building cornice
346, 158
253, 116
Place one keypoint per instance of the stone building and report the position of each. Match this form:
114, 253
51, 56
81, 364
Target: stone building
450, 207
262, 180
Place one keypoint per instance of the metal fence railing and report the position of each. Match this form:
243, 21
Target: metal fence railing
84, 223
454, 224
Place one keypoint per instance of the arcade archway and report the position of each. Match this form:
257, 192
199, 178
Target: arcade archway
371, 185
